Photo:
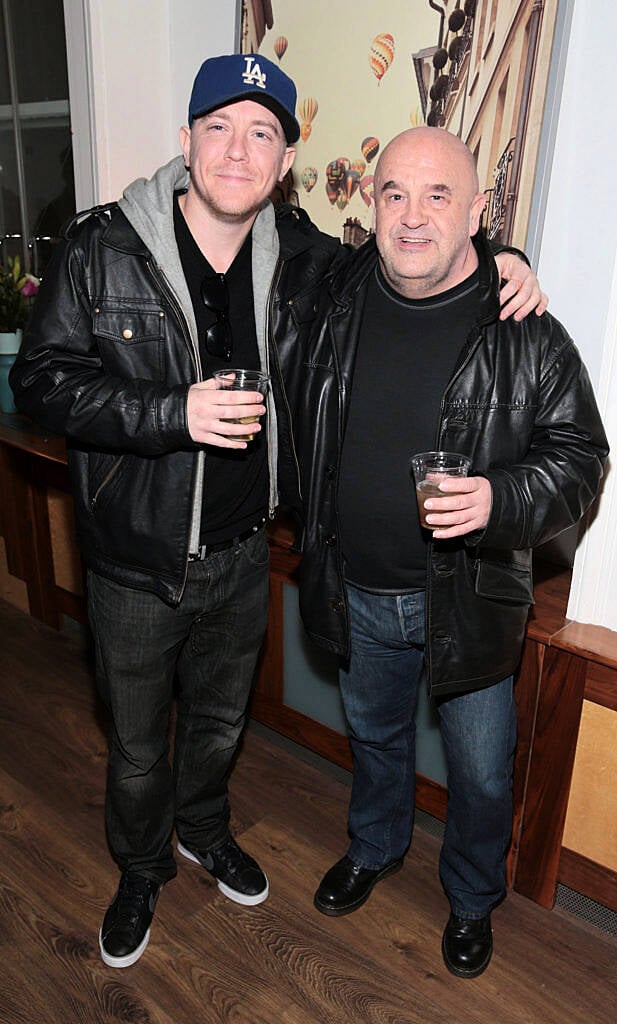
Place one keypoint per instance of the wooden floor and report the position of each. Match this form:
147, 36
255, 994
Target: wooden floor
210, 960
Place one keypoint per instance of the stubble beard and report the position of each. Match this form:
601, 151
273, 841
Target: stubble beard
229, 212
420, 282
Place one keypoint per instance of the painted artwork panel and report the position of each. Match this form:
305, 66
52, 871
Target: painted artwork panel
366, 72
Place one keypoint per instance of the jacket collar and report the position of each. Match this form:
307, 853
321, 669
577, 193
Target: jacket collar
345, 284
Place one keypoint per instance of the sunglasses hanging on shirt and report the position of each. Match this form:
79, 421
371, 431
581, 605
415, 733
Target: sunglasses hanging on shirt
215, 297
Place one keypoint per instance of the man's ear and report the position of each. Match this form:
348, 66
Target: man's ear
475, 213
288, 159
184, 136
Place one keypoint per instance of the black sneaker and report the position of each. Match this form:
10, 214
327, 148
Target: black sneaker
125, 930
239, 877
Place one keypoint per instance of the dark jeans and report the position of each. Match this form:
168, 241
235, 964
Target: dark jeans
209, 644
380, 694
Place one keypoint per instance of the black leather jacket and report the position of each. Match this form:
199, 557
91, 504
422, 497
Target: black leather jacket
520, 404
108, 359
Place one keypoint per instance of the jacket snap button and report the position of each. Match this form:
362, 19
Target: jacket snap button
331, 538
338, 606
330, 472
127, 333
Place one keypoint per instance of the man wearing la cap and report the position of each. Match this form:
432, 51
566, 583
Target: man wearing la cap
191, 271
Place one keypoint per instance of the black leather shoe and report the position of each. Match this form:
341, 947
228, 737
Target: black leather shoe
345, 887
125, 931
467, 945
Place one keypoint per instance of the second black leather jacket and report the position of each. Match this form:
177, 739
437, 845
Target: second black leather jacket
521, 405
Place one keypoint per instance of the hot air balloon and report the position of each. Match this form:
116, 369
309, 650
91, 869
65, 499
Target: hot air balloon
350, 183
381, 54
366, 188
336, 170
280, 45
341, 201
359, 166
331, 192
308, 177
370, 148
307, 111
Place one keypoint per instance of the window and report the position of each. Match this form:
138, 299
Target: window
37, 192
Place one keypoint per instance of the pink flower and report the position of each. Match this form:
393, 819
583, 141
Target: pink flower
30, 286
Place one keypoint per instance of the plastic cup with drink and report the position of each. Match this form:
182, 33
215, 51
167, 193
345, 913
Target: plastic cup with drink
243, 380
428, 469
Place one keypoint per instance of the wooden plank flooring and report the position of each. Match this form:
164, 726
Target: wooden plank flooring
210, 961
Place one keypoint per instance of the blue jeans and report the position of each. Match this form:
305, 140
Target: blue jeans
207, 645
380, 687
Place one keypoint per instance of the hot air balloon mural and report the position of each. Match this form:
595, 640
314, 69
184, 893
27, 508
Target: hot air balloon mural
370, 148
381, 54
366, 188
306, 111
280, 45
359, 166
308, 177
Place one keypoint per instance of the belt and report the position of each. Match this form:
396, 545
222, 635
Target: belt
224, 545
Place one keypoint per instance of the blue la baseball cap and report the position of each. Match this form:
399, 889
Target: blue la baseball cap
245, 76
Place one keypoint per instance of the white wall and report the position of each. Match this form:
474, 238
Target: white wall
199, 29
131, 68
578, 267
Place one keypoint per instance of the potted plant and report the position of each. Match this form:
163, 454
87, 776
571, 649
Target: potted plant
16, 293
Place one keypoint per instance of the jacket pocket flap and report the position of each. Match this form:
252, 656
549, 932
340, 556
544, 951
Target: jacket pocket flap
304, 306
504, 581
128, 326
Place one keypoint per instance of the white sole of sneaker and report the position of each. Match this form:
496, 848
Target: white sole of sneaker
231, 894
124, 961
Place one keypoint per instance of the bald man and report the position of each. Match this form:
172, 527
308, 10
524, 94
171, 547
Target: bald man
411, 353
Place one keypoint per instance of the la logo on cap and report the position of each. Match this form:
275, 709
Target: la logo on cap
253, 75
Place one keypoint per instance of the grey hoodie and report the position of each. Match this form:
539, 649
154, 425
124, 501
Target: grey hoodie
148, 206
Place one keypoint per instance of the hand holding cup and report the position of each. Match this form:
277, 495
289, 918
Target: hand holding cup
450, 503
210, 410
243, 380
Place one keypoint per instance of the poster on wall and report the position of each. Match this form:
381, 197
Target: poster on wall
365, 72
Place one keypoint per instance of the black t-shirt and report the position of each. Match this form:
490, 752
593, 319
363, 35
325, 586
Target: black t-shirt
407, 352
236, 481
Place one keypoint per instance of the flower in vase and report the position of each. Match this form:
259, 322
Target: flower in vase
16, 293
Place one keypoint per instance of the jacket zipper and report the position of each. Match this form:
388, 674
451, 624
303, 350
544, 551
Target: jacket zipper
341, 428
429, 557
270, 335
104, 482
167, 290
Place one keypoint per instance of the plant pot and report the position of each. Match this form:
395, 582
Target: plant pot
9, 347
